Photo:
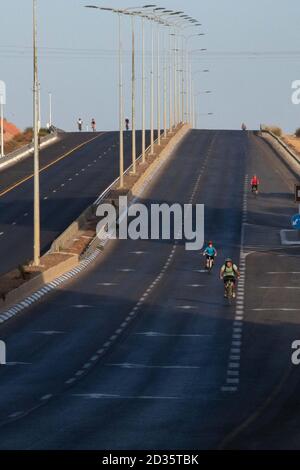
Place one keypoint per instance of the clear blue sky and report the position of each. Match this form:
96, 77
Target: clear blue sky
250, 88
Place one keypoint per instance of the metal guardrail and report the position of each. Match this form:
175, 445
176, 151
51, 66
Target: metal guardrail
25, 151
283, 144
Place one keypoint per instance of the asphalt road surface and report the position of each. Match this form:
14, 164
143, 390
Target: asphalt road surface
142, 351
74, 171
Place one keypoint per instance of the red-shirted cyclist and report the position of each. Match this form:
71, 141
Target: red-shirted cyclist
255, 184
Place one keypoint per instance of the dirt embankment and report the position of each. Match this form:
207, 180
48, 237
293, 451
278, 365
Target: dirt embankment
15, 139
293, 142
10, 131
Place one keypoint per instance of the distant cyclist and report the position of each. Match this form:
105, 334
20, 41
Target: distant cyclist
255, 184
229, 272
244, 127
210, 252
93, 125
80, 124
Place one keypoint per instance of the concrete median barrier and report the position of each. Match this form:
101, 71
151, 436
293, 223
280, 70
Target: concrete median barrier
27, 288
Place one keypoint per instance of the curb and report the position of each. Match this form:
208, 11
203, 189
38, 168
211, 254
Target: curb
11, 160
44, 289
285, 241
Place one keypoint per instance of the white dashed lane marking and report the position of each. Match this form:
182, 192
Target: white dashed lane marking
49, 333
155, 334
233, 368
147, 366
107, 284
281, 287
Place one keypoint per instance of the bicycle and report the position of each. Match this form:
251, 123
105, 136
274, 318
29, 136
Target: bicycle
254, 189
210, 260
229, 290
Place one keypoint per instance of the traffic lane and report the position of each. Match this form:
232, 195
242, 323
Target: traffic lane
136, 398
251, 389
267, 375
223, 203
271, 287
20, 199
162, 389
118, 261
53, 173
71, 191
271, 312
67, 172
271, 211
66, 142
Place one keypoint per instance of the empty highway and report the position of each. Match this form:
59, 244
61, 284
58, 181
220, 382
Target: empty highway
141, 351
74, 171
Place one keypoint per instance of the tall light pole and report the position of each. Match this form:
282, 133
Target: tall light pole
165, 86
152, 88
143, 95
170, 84
159, 16
133, 97
194, 98
50, 110
121, 111
189, 64
133, 12
120, 86
175, 82
2, 103
183, 81
191, 94
36, 220
158, 84
2, 126
186, 91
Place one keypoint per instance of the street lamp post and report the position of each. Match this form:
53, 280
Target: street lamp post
183, 81
143, 95
50, 110
133, 97
170, 85
120, 86
121, 124
161, 19
2, 126
175, 83
152, 88
191, 95
194, 98
2, 102
36, 221
158, 85
165, 87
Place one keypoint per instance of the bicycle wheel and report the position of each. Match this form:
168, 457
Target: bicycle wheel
229, 291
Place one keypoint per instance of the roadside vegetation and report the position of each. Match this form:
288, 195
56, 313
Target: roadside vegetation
275, 130
297, 133
22, 139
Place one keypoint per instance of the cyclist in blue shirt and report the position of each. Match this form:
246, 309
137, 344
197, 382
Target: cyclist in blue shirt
210, 252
